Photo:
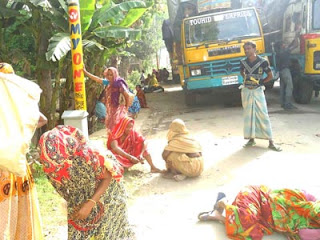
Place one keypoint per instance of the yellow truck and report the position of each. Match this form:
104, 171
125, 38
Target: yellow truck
209, 47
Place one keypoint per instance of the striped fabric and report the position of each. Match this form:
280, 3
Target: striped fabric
256, 119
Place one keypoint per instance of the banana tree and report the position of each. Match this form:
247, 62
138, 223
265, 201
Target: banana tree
104, 31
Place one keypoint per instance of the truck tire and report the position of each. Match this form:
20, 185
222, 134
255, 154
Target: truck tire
190, 98
302, 91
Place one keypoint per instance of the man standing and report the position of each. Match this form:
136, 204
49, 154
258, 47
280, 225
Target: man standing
286, 86
256, 119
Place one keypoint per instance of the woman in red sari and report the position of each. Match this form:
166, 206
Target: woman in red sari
128, 145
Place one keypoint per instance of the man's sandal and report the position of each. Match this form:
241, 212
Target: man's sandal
250, 144
275, 148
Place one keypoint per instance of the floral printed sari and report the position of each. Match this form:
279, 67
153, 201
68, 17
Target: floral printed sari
75, 170
257, 210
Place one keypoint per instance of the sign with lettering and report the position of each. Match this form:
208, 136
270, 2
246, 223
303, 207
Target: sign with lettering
77, 55
207, 5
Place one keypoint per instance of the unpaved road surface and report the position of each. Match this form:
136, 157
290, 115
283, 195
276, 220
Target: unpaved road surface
164, 209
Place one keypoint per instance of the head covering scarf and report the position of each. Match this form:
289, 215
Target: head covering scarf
179, 139
6, 68
132, 144
116, 83
119, 130
61, 146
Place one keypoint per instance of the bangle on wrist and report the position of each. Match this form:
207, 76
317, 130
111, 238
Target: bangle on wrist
91, 200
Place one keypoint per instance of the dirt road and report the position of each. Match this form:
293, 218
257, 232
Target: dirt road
164, 209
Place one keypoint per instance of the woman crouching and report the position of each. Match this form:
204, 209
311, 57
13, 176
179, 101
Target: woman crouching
90, 183
183, 154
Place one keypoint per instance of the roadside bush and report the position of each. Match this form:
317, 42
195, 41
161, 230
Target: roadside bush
133, 79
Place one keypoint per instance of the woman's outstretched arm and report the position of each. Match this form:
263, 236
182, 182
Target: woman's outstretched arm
91, 76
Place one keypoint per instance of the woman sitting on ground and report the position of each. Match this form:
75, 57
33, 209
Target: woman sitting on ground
89, 181
258, 209
183, 154
128, 145
153, 85
141, 96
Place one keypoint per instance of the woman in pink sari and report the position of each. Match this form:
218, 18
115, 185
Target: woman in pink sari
128, 145
118, 98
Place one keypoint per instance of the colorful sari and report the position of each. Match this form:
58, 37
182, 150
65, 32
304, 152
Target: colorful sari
133, 144
75, 170
116, 110
257, 210
19, 207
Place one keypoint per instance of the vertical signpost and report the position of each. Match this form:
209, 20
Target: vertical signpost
77, 55
77, 117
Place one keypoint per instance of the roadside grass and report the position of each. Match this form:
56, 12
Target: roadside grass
52, 206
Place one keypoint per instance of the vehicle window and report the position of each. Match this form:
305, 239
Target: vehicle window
221, 27
316, 15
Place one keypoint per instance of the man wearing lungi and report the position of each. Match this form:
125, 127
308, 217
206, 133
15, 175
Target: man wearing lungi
256, 119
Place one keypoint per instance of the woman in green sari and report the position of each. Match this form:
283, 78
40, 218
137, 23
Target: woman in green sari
258, 210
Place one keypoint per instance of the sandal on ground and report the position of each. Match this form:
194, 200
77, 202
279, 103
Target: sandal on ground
204, 216
274, 148
250, 144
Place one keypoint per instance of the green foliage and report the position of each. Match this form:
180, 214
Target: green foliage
87, 10
133, 80
132, 16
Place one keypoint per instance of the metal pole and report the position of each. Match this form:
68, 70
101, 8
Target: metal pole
77, 55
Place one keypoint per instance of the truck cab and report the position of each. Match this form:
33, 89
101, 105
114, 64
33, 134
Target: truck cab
301, 28
212, 46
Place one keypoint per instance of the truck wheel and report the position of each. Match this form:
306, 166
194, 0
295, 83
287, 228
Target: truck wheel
302, 91
190, 99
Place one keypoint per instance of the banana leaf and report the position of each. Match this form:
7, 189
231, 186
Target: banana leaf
132, 16
87, 9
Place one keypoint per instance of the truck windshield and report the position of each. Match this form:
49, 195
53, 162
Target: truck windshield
316, 15
221, 27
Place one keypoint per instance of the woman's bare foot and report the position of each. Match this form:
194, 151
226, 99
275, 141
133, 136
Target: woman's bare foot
211, 216
157, 170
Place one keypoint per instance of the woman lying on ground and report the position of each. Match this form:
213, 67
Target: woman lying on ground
183, 154
89, 180
258, 210
128, 145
